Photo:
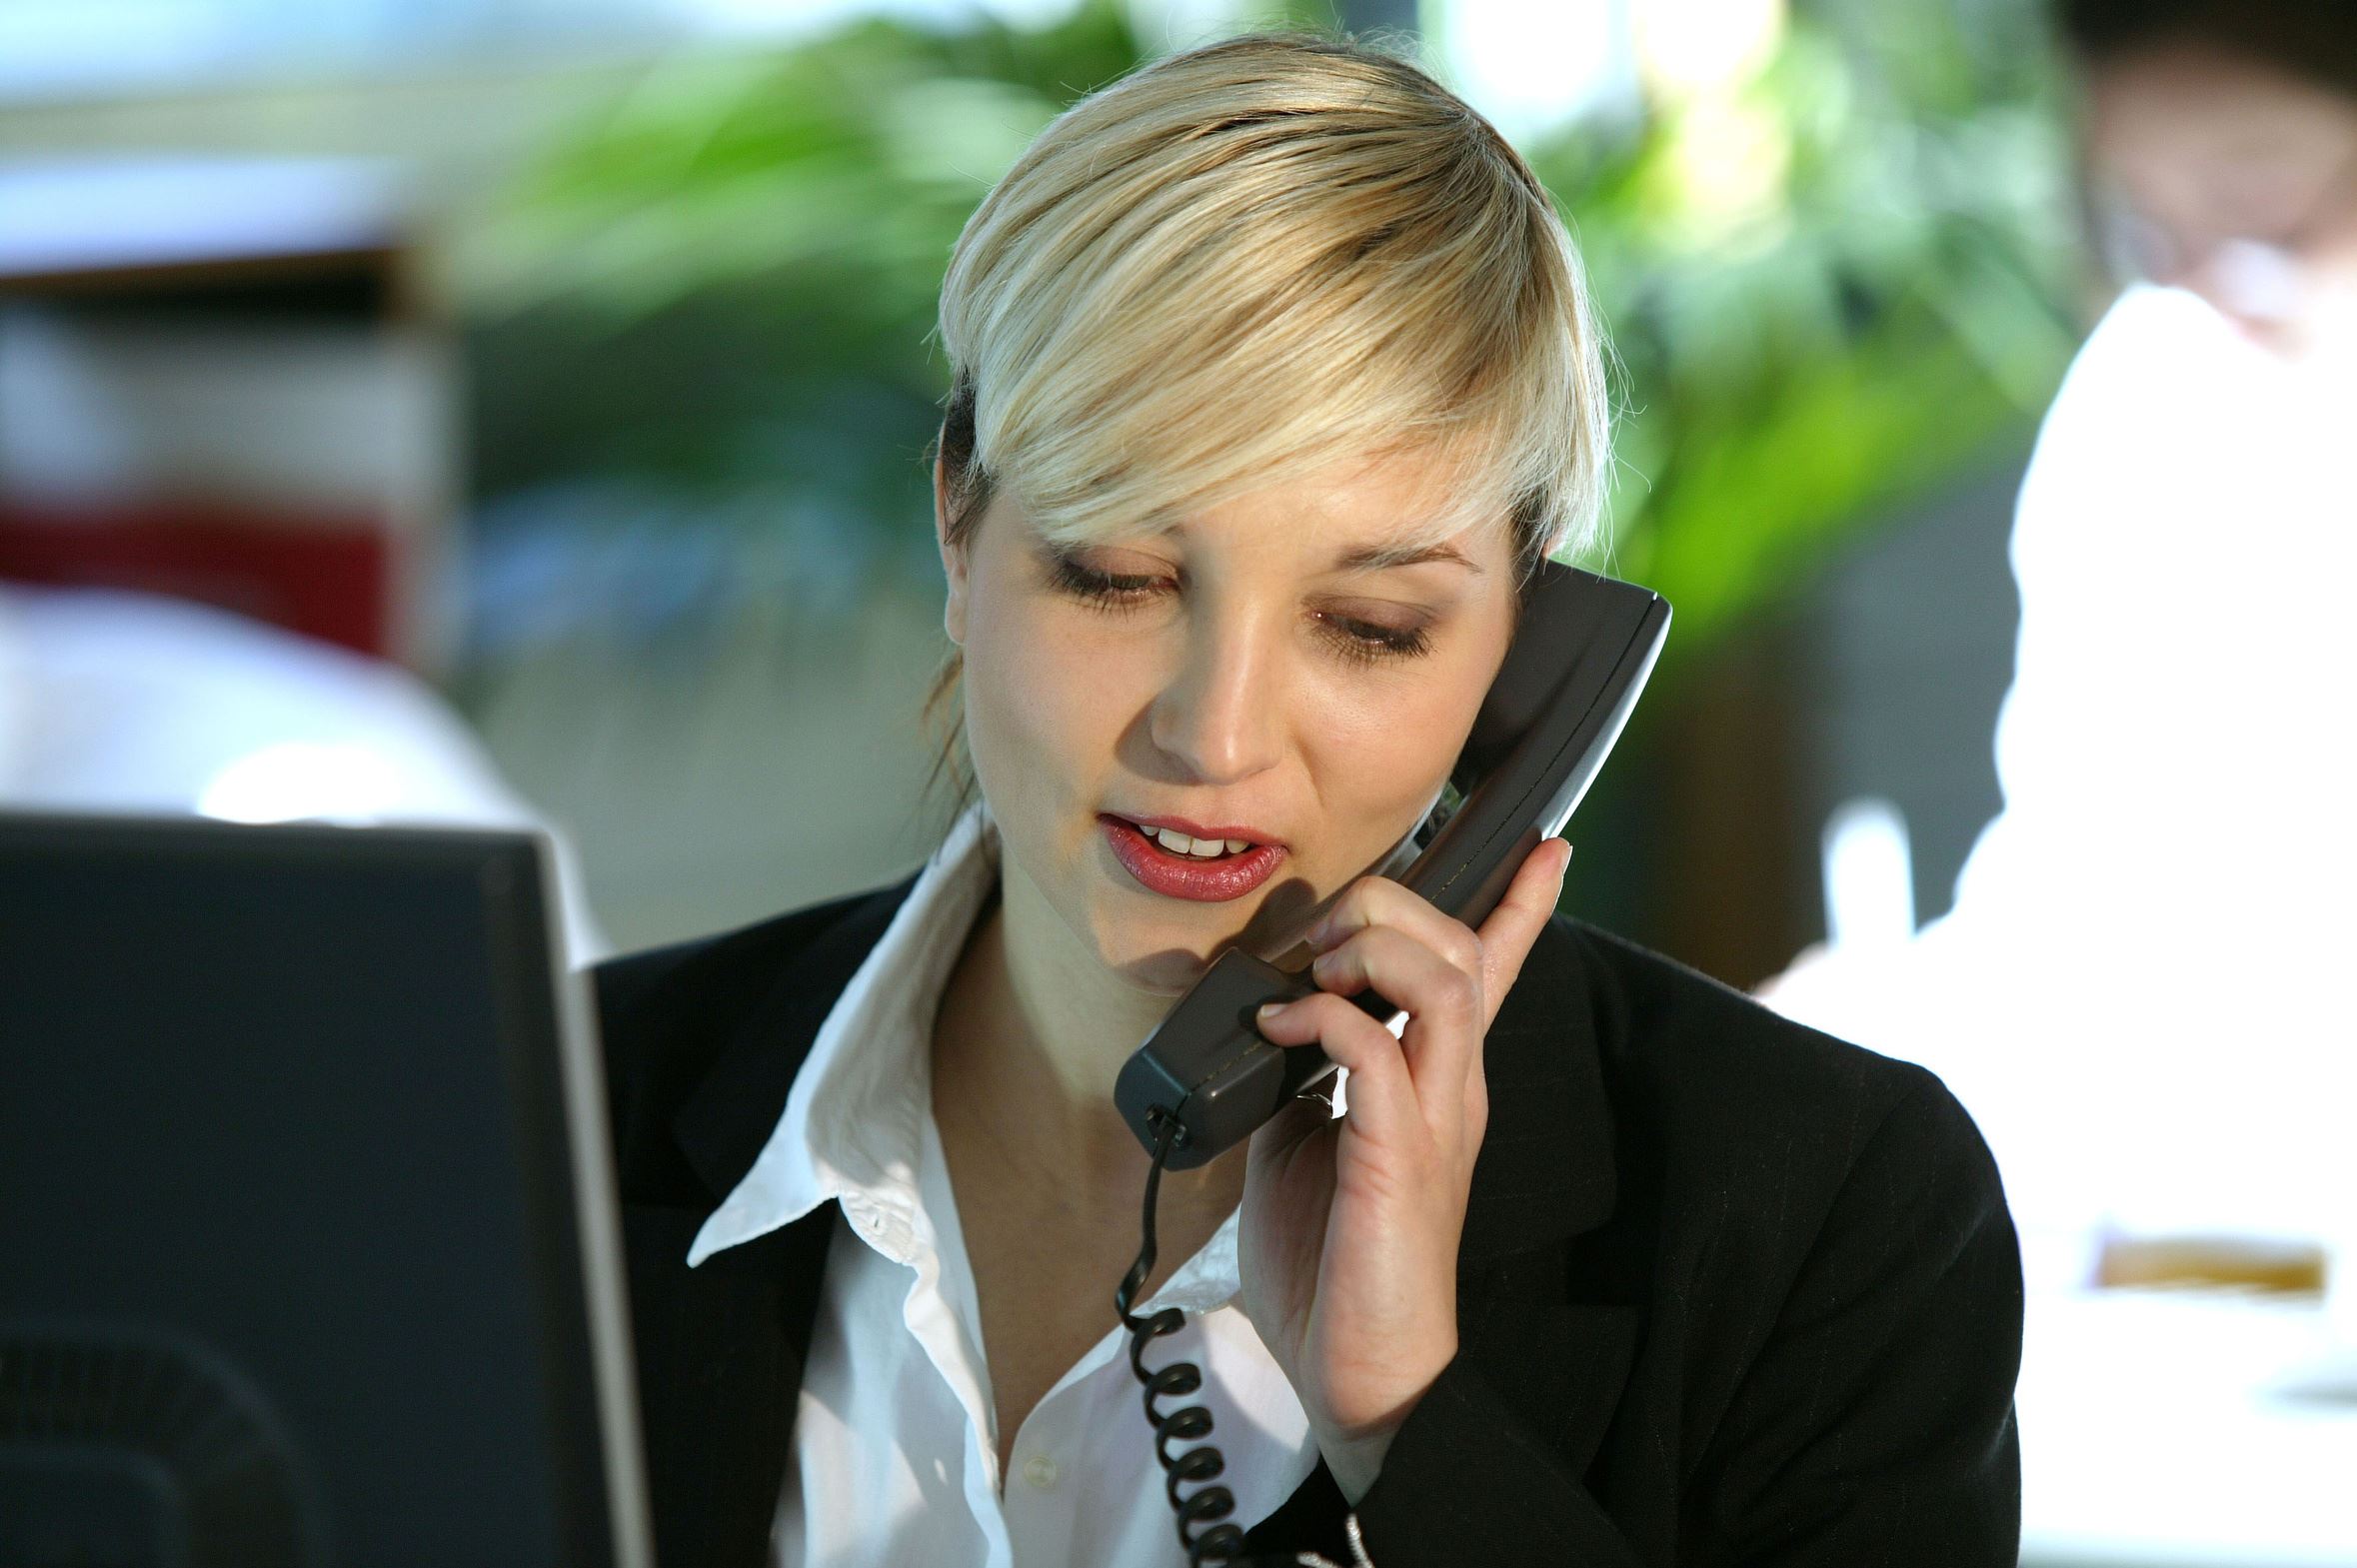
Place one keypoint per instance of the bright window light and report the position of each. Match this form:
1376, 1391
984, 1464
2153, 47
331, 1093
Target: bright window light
1869, 875
1530, 64
303, 779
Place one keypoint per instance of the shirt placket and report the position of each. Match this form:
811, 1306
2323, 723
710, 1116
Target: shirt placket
1060, 1452
891, 1219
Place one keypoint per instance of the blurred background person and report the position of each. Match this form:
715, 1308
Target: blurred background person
2139, 983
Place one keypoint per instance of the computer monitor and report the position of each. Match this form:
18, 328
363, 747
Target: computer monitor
307, 1244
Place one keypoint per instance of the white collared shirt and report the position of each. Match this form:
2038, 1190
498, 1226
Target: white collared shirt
896, 1439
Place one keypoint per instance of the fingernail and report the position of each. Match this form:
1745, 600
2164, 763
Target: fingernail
1267, 1008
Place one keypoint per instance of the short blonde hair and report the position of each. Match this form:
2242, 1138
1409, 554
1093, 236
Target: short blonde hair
1241, 264
1238, 263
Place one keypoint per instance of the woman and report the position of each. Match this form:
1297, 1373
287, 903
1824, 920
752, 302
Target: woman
1274, 376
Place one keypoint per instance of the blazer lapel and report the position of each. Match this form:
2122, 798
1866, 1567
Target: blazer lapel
721, 1346
719, 1350
1550, 1320
1545, 1171
722, 1125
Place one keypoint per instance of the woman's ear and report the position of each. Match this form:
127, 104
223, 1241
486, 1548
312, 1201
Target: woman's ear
952, 556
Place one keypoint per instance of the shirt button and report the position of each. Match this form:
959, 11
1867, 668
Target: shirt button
1041, 1471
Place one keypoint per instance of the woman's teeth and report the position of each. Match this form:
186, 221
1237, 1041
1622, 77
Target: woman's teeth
1199, 848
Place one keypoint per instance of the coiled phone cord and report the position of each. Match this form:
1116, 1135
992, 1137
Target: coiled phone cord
1204, 1528
1220, 1544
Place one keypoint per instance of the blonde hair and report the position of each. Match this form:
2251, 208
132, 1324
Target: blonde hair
1243, 263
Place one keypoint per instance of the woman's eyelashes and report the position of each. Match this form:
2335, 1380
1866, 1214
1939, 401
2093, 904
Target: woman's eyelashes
1354, 637
1111, 590
1364, 642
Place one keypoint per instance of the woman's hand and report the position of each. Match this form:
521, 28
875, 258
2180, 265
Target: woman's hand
1350, 1225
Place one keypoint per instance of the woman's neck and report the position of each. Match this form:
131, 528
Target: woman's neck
1031, 1035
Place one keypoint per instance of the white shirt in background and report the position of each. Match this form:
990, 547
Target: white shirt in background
896, 1442
2143, 991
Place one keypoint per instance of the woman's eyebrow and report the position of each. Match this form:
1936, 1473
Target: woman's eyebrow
1375, 557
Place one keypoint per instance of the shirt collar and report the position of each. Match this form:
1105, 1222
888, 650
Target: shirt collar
851, 1128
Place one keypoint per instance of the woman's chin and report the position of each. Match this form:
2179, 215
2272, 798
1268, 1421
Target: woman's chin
1159, 960
1166, 963
1162, 945
1163, 973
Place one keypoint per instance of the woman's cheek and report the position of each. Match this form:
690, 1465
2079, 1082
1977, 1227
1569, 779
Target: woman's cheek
1382, 758
1040, 691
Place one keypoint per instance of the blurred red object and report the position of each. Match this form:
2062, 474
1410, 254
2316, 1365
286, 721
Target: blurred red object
325, 576
220, 381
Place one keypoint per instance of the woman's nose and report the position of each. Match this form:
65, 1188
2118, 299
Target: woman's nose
1220, 716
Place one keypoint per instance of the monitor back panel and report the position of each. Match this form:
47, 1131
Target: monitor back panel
288, 1270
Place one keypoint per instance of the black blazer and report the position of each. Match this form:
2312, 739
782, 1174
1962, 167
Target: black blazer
1730, 1291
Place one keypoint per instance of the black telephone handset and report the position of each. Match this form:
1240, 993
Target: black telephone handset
1583, 647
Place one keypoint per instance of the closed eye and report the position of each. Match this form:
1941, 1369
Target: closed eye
1356, 639
1111, 589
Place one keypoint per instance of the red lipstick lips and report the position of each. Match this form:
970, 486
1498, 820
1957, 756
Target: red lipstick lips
1198, 830
1183, 877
